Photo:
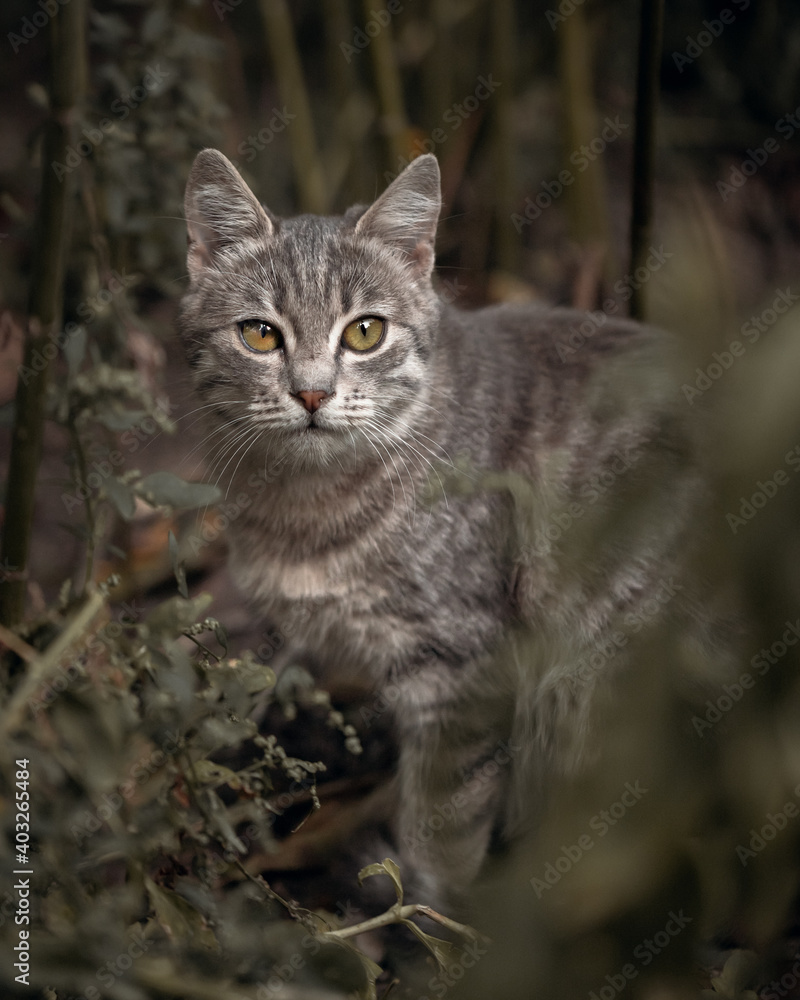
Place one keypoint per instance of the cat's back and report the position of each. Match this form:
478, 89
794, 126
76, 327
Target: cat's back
528, 379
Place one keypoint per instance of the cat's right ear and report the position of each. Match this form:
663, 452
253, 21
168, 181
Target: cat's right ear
406, 214
221, 211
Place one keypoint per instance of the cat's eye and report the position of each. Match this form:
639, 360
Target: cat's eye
259, 335
363, 334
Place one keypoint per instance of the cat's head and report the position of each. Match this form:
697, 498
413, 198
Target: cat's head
310, 337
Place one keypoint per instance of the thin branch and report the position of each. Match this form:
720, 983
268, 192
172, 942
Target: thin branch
19, 646
644, 147
49, 662
397, 915
66, 86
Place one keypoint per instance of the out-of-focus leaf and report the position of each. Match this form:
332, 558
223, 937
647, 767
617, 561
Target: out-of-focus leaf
179, 918
117, 418
171, 491
121, 495
730, 983
221, 635
219, 817
254, 676
177, 614
177, 567
210, 773
75, 351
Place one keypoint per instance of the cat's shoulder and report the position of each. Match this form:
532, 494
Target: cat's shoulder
559, 339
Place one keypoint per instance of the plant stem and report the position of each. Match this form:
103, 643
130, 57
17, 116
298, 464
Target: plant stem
66, 86
91, 525
398, 915
289, 74
644, 145
503, 36
389, 86
588, 198
49, 661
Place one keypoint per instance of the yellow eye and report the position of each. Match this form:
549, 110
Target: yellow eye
363, 333
260, 336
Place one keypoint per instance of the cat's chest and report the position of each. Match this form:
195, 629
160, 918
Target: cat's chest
271, 579
399, 584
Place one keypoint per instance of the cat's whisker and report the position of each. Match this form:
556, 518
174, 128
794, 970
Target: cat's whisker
243, 445
440, 455
224, 447
381, 439
245, 450
226, 427
426, 465
368, 439
197, 420
208, 406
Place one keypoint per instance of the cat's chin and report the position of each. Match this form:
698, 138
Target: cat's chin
322, 450
317, 449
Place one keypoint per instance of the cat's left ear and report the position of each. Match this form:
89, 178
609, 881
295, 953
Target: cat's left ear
406, 214
221, 210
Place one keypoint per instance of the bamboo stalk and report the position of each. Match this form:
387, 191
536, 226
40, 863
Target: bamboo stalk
503, 51
345, 162
388, 84
67, 41
588, 197
438, 66
644, 144
289, 75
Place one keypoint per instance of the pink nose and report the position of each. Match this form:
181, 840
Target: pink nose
311, 398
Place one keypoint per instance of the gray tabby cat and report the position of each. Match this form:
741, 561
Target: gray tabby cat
467, 505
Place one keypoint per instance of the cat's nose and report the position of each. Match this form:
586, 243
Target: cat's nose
311, 398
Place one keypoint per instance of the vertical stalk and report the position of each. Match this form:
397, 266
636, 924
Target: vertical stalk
289, 74
66, 84
503, 51
588, 194
388, 84
651, 24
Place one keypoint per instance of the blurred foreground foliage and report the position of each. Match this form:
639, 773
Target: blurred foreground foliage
136, 828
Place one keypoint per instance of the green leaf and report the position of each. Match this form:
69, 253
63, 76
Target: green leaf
177, 614
164, 488
117, 418
75, 351
254, 676
209, 773
219, 818
385, 867
444, 952
121, 496
177, 567
738, 969
221, 635
180, 920
371, 970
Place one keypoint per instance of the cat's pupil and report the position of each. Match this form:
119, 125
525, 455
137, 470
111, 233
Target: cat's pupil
259, 335
364, 333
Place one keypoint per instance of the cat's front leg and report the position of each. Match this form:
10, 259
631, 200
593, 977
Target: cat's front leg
454, 769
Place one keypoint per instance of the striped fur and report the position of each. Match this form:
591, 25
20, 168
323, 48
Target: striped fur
415, 515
